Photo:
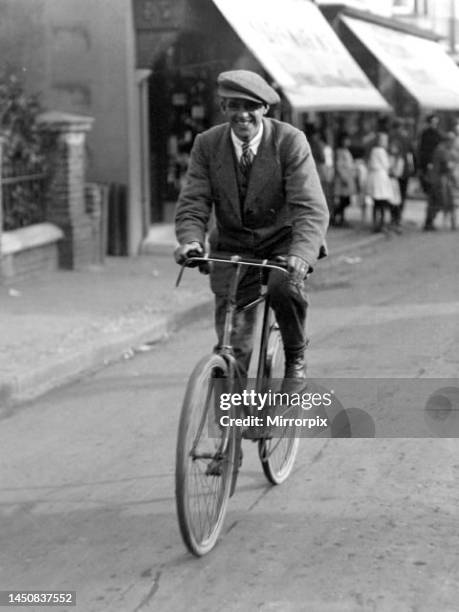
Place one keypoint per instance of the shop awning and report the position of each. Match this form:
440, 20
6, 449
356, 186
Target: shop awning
420, 65
294, 43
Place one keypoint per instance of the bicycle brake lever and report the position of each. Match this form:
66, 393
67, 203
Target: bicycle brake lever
179, 277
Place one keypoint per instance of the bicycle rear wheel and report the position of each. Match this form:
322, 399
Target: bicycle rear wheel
204, 458
277, 454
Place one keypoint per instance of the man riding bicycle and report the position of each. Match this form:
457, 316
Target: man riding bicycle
258, 177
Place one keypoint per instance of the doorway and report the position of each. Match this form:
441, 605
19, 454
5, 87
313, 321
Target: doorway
181, 105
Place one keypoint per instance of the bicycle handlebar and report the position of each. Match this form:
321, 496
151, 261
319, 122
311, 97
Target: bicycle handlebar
244, 261
234, 260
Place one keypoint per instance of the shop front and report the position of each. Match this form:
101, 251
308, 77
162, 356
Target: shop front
289, 43
182, 100
407, 65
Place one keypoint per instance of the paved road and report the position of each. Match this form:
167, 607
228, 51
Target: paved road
86, 497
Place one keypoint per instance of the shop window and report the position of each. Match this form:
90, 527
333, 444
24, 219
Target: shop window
190, 113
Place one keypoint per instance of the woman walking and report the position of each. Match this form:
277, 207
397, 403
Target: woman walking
345, 185
379, 185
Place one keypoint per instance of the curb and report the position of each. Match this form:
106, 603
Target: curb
360, 244
56, 373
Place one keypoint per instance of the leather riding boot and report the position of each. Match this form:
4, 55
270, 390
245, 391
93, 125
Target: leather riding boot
295, 366
295, 372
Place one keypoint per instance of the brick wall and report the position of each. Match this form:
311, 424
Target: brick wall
73, 236
29, 251
30, 262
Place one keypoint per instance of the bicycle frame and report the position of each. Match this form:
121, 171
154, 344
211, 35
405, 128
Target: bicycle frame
226, 348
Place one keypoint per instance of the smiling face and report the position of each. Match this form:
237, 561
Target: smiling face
245, 116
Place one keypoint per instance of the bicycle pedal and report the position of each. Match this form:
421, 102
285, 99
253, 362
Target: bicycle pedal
258, 433
250, 434
263, 451
265, 435
215, 468
247, 434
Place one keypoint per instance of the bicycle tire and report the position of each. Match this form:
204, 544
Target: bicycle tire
277, 454
204, 459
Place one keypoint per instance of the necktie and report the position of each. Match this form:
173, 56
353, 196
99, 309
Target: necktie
246, 160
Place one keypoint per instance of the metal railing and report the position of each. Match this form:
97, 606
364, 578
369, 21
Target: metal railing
23, 194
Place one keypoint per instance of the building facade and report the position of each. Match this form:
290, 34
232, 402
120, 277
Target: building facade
80, 56
439, 16
406, 63
145, 71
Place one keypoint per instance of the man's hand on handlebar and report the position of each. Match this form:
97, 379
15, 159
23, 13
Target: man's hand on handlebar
191, 249
297, 269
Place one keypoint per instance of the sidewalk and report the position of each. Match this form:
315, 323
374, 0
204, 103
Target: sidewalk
57, 327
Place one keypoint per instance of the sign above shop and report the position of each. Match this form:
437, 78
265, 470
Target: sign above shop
419, 64
302, 53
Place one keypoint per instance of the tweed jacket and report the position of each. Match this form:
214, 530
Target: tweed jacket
284, 212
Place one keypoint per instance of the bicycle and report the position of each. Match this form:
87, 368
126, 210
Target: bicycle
208, 454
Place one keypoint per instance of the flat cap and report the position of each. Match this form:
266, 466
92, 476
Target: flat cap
246, 84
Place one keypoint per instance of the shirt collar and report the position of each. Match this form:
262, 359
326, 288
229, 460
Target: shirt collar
254, 143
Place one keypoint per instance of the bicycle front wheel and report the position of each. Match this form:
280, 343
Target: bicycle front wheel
204, 458
277, 454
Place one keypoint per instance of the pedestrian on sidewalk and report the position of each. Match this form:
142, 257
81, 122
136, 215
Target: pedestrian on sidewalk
429, 139
455, 156
361, 177
259, 178
379, 185
396, 172
328, 171
323, 157
443, 181
345, 180
399, 135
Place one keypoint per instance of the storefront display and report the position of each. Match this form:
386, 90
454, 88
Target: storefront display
191, 110
181, 106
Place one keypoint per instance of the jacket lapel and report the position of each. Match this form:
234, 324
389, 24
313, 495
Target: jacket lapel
226, 172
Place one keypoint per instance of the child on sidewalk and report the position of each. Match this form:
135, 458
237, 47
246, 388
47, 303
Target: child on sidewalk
345, 186
379, 185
